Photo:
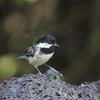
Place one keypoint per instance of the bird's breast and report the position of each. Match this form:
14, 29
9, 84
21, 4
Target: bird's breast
40, 58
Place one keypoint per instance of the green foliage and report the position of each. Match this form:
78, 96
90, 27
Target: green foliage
7, 67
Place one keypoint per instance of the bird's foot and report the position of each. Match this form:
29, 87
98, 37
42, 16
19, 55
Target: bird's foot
51, 68
41, 74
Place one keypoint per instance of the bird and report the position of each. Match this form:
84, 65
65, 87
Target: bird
40, 52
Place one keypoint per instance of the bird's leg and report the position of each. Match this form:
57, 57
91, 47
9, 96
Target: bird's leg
50, 67
38, 71
57, 72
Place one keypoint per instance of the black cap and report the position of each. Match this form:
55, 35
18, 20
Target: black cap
46, 38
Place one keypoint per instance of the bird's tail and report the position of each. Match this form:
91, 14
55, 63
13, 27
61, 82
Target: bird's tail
18, 58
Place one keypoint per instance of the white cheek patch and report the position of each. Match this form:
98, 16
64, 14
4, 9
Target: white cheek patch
44, 45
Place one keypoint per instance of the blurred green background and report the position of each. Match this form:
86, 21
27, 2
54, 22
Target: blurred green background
74, 23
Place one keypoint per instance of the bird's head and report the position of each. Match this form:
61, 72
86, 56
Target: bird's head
47, 41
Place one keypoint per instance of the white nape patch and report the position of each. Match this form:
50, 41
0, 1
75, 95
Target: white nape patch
44, 45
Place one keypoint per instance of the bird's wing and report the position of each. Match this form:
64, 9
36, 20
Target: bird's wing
29, 51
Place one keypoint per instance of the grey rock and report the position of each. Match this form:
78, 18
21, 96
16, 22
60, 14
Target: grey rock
49, 86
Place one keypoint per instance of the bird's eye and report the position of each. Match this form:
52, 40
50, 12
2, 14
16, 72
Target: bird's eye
53, 41
49, 42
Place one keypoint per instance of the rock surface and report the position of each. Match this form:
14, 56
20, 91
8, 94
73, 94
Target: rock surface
49, 86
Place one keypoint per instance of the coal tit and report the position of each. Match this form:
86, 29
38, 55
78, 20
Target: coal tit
40, 52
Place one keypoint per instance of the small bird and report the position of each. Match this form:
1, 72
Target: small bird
40, 52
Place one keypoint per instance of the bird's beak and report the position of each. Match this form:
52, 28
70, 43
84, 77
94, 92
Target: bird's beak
56, 45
